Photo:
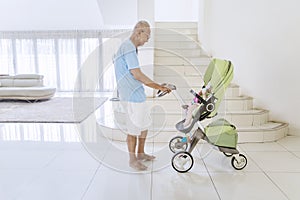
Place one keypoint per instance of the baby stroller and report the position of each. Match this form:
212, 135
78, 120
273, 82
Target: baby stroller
220, 133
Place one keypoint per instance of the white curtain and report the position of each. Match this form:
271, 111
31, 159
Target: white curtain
6, 57
58, 55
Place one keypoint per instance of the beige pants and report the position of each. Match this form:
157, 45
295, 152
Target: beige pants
138, 117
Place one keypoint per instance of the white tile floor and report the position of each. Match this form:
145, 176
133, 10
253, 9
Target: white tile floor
67, 162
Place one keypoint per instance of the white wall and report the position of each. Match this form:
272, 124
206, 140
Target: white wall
262, 38
146, 55
122, 13
176, 10
49, 15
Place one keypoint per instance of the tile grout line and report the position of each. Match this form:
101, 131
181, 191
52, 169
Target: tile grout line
210, 177
277, 186
292, 152
268, 177
99, 166
151, 182
96, 171
91, 181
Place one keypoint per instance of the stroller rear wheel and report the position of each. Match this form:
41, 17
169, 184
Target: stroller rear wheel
176, 144
182, 161
239, 162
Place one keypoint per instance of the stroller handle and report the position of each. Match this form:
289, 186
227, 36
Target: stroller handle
169, 85
161, 93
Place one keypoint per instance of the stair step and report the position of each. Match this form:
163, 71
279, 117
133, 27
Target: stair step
240, 103
181, 81
239, 119
269, 132
184, 92
197, 52
252, 117
163, 35
179, 70
177, 60
233, 90
185, 25
178, 45
186, 77
175, 31
112, 124
113, 111
175, 35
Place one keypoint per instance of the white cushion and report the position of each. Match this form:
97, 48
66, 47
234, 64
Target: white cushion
22, 76
28, 76
21, 82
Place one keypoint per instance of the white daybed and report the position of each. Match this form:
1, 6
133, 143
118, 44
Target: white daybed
24, 87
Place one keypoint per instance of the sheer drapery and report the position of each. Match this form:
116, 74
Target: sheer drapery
6, 56
59, 56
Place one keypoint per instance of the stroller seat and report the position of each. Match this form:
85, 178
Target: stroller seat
218, 75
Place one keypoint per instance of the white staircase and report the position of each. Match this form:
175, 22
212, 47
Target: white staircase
179, 59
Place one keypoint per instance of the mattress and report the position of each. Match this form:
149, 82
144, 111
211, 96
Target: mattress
27, 93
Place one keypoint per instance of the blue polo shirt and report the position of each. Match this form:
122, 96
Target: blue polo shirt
128, 87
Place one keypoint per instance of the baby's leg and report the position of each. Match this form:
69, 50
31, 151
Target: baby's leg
189, 114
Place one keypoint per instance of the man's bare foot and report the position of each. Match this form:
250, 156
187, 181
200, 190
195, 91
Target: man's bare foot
137, 165
146, 157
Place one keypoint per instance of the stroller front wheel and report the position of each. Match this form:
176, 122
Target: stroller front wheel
182, 161
227, 154
239, 162
176, 144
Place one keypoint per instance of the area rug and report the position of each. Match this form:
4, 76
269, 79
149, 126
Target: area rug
55, 110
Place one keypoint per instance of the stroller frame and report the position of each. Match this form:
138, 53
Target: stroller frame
220, 74
183, 161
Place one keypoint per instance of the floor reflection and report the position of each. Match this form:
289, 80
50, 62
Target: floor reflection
39, 132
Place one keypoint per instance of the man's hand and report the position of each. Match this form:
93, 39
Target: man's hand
164, 88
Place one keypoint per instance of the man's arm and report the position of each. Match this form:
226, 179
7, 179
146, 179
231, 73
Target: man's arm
140, 76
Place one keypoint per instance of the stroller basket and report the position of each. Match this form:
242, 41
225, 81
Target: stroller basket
221, 133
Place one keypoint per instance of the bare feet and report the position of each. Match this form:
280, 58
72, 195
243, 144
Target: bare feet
145, 157
137, 165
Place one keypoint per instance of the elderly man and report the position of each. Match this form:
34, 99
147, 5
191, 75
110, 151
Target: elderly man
130, 85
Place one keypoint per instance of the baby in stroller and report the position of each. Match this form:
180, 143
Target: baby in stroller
192, 107
195, 103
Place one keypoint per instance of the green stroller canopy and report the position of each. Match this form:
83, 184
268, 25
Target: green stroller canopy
218, 75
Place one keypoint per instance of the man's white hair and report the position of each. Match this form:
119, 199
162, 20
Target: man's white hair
140, 25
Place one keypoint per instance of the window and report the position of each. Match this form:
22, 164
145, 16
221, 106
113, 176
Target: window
58, 55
